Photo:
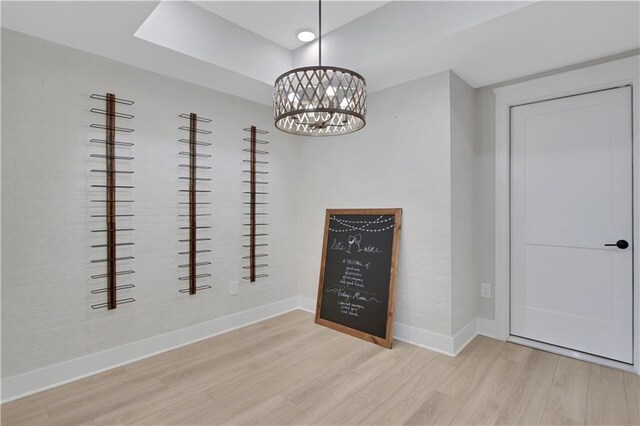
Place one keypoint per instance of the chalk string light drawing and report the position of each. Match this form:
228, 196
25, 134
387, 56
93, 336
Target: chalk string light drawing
362, 225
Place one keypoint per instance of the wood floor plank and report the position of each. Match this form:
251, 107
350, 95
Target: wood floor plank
401, 405
232, 398
438, 409
227, 406
137, 410
567, 397
281, 417
409, 359
550, 418
319, 351
351, 411
308, 346
489, 397
186, 412
214, 350
378, 379
288, 370
525, 405
327, 378
632, 389
199, 377
606, 399
360, 402
268, 412
83, 408
517, 353
89, 385
476, 363
130, 412
325, 393
21, 413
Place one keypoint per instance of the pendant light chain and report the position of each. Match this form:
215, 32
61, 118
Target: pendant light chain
319, 33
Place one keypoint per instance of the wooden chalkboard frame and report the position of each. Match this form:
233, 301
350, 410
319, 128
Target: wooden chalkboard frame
388, 340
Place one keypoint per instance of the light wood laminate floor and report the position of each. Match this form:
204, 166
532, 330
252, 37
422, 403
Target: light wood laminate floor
287, 370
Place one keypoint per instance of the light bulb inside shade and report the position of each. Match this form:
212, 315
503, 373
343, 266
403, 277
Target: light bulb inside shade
330, 91
306, 36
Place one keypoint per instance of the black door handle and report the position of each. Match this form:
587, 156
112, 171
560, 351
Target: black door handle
621, 244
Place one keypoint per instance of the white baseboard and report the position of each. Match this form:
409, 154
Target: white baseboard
307, 304
487, 327
423, 338
417, 336
463, 337
21, 385
434, 341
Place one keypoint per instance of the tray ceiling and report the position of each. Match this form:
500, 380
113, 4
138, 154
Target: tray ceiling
241, 47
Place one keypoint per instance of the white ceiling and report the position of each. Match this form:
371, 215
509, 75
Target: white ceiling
483, 42
188, 29
280, 21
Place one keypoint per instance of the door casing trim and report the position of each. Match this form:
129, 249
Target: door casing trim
598, 77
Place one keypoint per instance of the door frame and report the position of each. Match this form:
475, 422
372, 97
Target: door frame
604, 76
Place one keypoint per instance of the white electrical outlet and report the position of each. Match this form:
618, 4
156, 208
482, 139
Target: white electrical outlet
485, 290
233, 288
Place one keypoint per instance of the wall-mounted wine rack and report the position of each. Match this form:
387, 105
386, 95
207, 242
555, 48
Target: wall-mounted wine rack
193, 202
256, 213
112, 201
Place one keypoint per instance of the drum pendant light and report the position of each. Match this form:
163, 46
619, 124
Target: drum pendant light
320, 100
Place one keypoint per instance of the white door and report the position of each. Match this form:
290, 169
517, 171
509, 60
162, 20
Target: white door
571, 195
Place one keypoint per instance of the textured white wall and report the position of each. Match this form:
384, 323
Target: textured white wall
46, 314
406, 157
402, 158
484, 188
463, 211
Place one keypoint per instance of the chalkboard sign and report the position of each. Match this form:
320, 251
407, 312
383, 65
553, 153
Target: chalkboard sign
356, 294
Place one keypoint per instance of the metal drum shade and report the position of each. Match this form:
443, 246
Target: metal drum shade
320, 101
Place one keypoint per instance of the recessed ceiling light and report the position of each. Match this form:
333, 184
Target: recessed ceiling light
306, 36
